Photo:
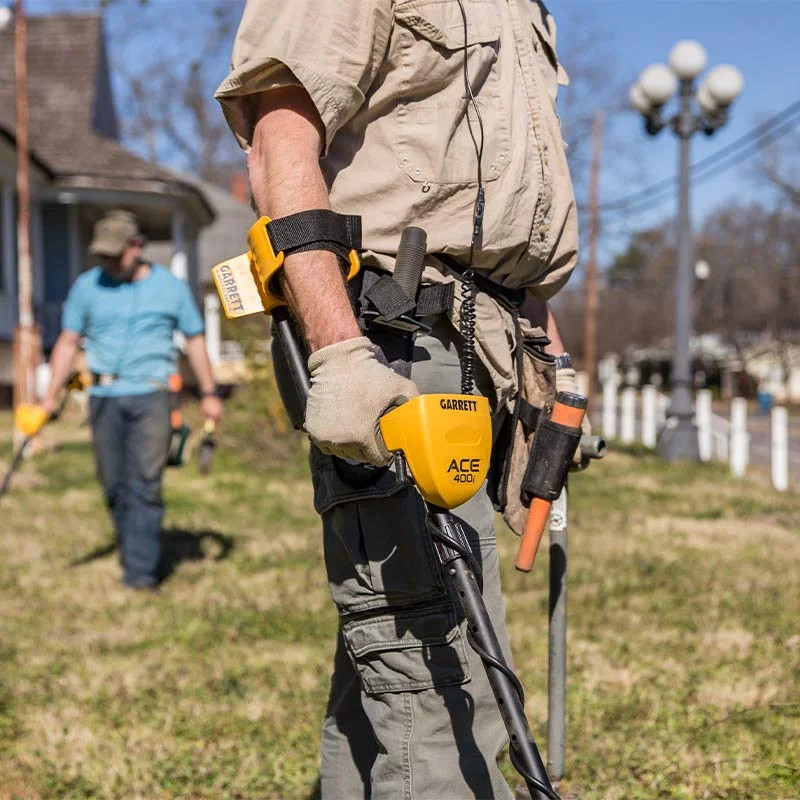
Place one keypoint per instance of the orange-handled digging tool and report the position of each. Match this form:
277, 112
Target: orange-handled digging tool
557, 439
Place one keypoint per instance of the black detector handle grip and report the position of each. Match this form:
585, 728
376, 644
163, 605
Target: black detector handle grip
410, 260
291, 367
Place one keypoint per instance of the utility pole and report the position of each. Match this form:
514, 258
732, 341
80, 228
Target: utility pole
27, 343
590, 329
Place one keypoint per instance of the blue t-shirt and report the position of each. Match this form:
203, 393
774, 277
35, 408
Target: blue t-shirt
128, 327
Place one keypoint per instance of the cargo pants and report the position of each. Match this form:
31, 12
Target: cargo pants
411, 715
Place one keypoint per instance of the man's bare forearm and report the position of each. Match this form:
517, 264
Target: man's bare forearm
61, 360
201, 366
286, 178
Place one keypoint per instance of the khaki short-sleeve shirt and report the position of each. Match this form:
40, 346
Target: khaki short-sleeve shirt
387, 79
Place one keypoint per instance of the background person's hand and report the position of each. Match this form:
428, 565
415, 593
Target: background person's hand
350, 391
50, 404
212, 407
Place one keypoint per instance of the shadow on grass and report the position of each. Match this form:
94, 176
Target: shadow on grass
179, 545
182, 545
316, 792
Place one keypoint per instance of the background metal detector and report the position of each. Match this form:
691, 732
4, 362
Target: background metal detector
75, 383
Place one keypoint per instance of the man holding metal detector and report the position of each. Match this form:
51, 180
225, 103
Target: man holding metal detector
438, 114
127, 310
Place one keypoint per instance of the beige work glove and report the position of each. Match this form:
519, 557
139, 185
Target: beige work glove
350, 391
565, 382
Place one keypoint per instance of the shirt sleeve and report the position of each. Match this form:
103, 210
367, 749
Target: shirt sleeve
75, 313
333, 49
190, 321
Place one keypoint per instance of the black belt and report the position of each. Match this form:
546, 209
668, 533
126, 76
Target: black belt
103, 378
510, 299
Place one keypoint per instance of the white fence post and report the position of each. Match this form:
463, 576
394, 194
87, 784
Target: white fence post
627, 432
610, 409
703, 414
649, 422
779, 452
211, 308
739, 437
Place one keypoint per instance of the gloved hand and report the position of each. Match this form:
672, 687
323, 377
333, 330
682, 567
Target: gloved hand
30, 419
565, 382
350, 391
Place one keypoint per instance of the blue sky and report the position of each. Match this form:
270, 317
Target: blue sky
761, 38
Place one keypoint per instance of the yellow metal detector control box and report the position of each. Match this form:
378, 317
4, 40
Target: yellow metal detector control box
447, 442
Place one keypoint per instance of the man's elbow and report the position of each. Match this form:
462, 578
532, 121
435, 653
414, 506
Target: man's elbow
69, 339
287, 110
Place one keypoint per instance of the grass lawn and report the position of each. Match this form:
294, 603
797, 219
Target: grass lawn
684, 644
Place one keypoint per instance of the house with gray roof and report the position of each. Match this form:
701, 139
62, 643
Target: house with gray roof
79, 170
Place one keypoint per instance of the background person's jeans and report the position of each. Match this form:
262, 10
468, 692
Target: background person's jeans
131, 440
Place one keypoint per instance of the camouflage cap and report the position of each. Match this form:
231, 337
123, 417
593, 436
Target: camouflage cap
113, 233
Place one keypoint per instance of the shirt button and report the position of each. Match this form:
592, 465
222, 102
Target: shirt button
543, 231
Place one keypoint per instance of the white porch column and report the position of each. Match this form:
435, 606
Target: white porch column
779, 452
179, 263
627, 427
213, 343
703, 413
649, 416
739, 438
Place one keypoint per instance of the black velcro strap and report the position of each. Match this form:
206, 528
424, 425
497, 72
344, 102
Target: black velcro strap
388, 299
550, 460
435, 299
528, 414
316, 230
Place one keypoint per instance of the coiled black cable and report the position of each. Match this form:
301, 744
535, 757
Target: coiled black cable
467, 330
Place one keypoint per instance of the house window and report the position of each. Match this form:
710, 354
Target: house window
3, 255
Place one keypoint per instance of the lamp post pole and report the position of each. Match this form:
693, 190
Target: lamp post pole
678, 440
656, 85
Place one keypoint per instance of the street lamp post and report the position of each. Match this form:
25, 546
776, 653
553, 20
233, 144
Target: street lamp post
655, 86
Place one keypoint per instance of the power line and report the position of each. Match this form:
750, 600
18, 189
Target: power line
715, 170
747, 145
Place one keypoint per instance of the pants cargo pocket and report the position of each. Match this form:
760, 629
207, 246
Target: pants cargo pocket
408, 650
378, 552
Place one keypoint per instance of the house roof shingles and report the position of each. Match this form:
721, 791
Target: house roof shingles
65, 56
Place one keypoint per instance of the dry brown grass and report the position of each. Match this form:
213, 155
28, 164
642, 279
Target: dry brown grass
684, 649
